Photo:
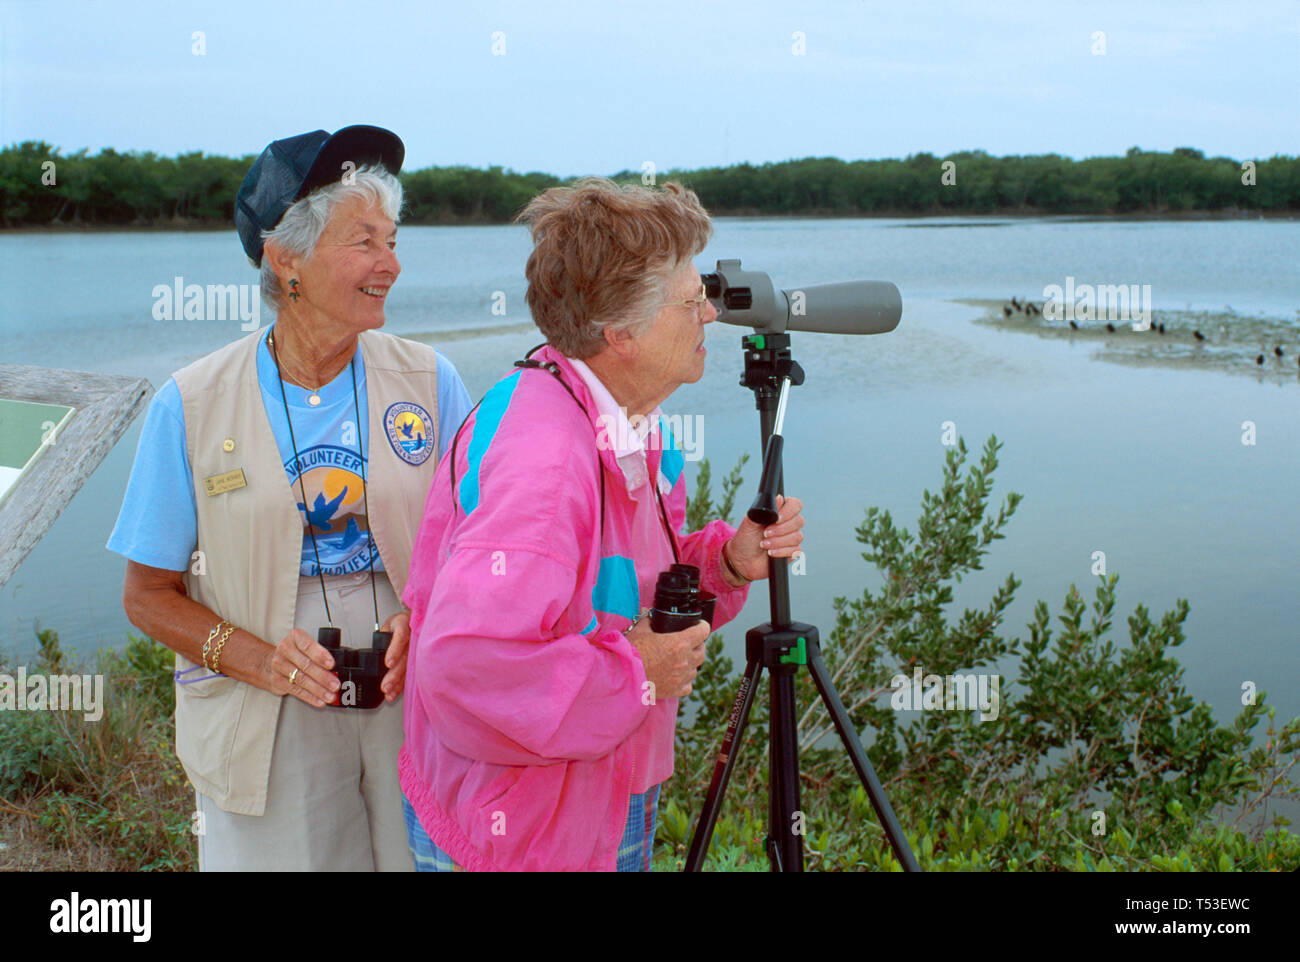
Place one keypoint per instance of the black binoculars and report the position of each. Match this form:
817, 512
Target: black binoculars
360, 668
679, 602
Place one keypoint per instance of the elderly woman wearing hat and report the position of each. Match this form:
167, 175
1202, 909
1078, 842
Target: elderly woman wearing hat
541, 707
276, 490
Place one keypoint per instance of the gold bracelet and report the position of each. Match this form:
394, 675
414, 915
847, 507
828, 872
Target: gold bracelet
207, 645
216, 658
731, 567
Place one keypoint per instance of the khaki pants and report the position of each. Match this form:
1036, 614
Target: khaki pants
333, 802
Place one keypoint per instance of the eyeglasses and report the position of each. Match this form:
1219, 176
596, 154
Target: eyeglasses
696, 302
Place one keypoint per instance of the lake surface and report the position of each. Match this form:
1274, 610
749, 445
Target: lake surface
1143, 461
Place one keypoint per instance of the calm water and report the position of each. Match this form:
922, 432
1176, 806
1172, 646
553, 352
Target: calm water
1143, 463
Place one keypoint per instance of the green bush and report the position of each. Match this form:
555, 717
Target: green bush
1099, 759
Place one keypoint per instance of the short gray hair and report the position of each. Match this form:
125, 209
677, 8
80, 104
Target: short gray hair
303, 223
602, 257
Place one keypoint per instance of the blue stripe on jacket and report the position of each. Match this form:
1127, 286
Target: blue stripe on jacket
491, 411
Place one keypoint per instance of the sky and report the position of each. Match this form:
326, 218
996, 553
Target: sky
595, 88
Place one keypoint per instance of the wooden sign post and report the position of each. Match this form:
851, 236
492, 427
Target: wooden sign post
56, 427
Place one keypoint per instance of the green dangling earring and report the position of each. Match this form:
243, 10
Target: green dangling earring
293, 289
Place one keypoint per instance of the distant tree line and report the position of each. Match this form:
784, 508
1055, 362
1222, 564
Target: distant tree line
39, 186
972, 182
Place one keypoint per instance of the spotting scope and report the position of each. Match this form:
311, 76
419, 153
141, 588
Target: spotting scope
749, 299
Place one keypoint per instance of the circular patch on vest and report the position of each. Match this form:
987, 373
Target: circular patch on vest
410, 431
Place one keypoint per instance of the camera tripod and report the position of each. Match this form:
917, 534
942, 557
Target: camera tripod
781, 646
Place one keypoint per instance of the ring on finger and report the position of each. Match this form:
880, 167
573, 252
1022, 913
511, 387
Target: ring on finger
293, 675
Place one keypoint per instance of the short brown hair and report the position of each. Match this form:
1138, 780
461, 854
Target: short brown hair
602, 254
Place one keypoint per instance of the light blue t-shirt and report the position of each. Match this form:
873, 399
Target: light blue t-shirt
158, 523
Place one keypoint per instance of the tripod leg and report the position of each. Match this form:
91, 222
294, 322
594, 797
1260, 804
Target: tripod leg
722, 770
867, 774
785, 820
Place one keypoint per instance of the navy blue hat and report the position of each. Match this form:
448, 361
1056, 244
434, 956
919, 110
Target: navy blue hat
290, 169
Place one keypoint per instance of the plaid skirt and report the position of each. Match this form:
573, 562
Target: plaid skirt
634, 850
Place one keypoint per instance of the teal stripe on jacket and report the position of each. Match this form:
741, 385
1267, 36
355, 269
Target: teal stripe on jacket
671, 461
616, 589
491, 410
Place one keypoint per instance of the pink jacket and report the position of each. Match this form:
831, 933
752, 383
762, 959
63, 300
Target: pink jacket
526, 726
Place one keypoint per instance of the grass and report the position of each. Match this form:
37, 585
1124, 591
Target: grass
107, 795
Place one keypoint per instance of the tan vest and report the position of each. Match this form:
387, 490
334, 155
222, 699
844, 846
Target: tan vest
251, 539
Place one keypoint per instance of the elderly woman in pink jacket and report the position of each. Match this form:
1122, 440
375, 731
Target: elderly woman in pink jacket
540, 706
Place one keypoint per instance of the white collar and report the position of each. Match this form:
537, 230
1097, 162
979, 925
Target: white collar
615, 430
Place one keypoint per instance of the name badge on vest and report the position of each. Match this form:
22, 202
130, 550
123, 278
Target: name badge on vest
221, 483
